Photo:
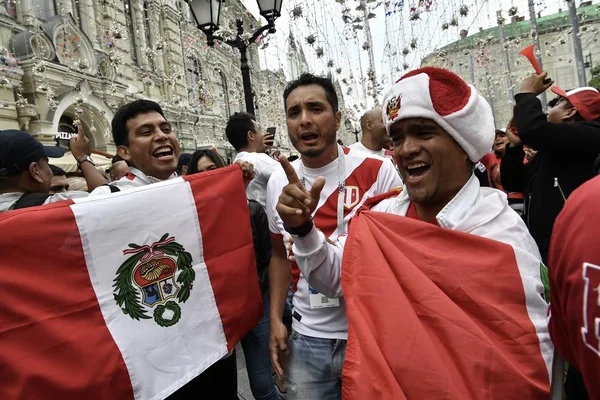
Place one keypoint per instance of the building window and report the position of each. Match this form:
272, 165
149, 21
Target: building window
147, 25
129, 18
76, 11
10, 6
194, 74
44, 9
225, 93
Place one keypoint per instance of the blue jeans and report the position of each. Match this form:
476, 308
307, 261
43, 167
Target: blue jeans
258, 358
314, 369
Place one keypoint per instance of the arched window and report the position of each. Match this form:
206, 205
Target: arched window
224, 92
193, 73
147, 21
129, 18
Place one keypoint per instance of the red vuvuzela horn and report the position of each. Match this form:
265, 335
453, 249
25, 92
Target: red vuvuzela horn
528, 52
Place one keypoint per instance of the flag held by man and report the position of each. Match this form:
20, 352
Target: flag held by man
126, 296
440, 314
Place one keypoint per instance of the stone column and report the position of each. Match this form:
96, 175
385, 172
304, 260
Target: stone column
27, 14
140, 39
155, 23
88, 18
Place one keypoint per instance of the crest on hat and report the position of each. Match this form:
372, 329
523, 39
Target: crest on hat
393, 107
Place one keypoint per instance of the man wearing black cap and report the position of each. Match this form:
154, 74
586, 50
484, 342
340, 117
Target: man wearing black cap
25, 175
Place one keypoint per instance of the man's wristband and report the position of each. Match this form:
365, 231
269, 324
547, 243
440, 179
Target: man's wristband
301, 230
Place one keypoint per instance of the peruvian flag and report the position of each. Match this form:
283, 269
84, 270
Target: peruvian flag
441, 314
126, 296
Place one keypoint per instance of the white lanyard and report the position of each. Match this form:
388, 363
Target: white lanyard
341, 226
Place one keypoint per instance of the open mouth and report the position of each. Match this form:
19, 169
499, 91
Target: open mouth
163, 153
417, 170
309, 137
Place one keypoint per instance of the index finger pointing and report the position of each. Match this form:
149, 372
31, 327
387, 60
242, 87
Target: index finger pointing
290, 172
80, 129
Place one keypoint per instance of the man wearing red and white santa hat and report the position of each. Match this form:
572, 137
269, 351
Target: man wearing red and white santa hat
441, 127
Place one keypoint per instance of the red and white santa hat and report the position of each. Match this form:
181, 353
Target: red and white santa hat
442, 96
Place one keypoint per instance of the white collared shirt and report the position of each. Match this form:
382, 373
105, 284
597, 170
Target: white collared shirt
479, 211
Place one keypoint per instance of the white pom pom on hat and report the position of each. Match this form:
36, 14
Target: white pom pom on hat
442, 96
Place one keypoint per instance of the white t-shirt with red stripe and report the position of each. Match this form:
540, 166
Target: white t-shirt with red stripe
381, 153
366, 176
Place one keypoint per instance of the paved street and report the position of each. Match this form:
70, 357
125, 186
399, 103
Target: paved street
243, 384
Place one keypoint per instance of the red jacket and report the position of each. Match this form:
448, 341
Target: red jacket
574, 269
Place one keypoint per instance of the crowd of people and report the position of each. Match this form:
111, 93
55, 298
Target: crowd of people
432, 153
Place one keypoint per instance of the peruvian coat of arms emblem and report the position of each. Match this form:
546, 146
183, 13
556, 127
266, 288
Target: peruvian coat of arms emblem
155, 277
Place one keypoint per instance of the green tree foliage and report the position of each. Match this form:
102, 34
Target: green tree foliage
595, 81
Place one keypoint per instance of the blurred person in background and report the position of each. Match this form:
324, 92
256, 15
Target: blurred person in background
59, 182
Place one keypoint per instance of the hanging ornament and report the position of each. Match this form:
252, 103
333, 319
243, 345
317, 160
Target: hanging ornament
415, 15
445, 26
413, 43
319, 51
513, 11
311, 39
464, 33
501, 20
330, 64
454, 21
463, 11
366, 46
297, 12
338, 70
405, 51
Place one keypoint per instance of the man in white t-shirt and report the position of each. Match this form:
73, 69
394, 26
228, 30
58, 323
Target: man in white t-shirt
375, 138
317, 343
245, 136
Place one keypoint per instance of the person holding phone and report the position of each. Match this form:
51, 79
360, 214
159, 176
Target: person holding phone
246, 137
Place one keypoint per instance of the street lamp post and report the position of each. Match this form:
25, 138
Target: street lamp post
207, 14
352, 129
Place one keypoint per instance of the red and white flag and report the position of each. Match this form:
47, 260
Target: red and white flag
126, 296
441, 314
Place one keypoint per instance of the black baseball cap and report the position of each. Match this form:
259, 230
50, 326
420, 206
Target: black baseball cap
18, 149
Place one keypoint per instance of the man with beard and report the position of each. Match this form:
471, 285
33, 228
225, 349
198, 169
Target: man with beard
317, 343
440, 127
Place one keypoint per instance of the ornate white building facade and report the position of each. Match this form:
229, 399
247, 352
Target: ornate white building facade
497, 69
63, 60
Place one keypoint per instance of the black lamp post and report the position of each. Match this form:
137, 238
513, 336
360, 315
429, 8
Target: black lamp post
350, 128
207, 14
